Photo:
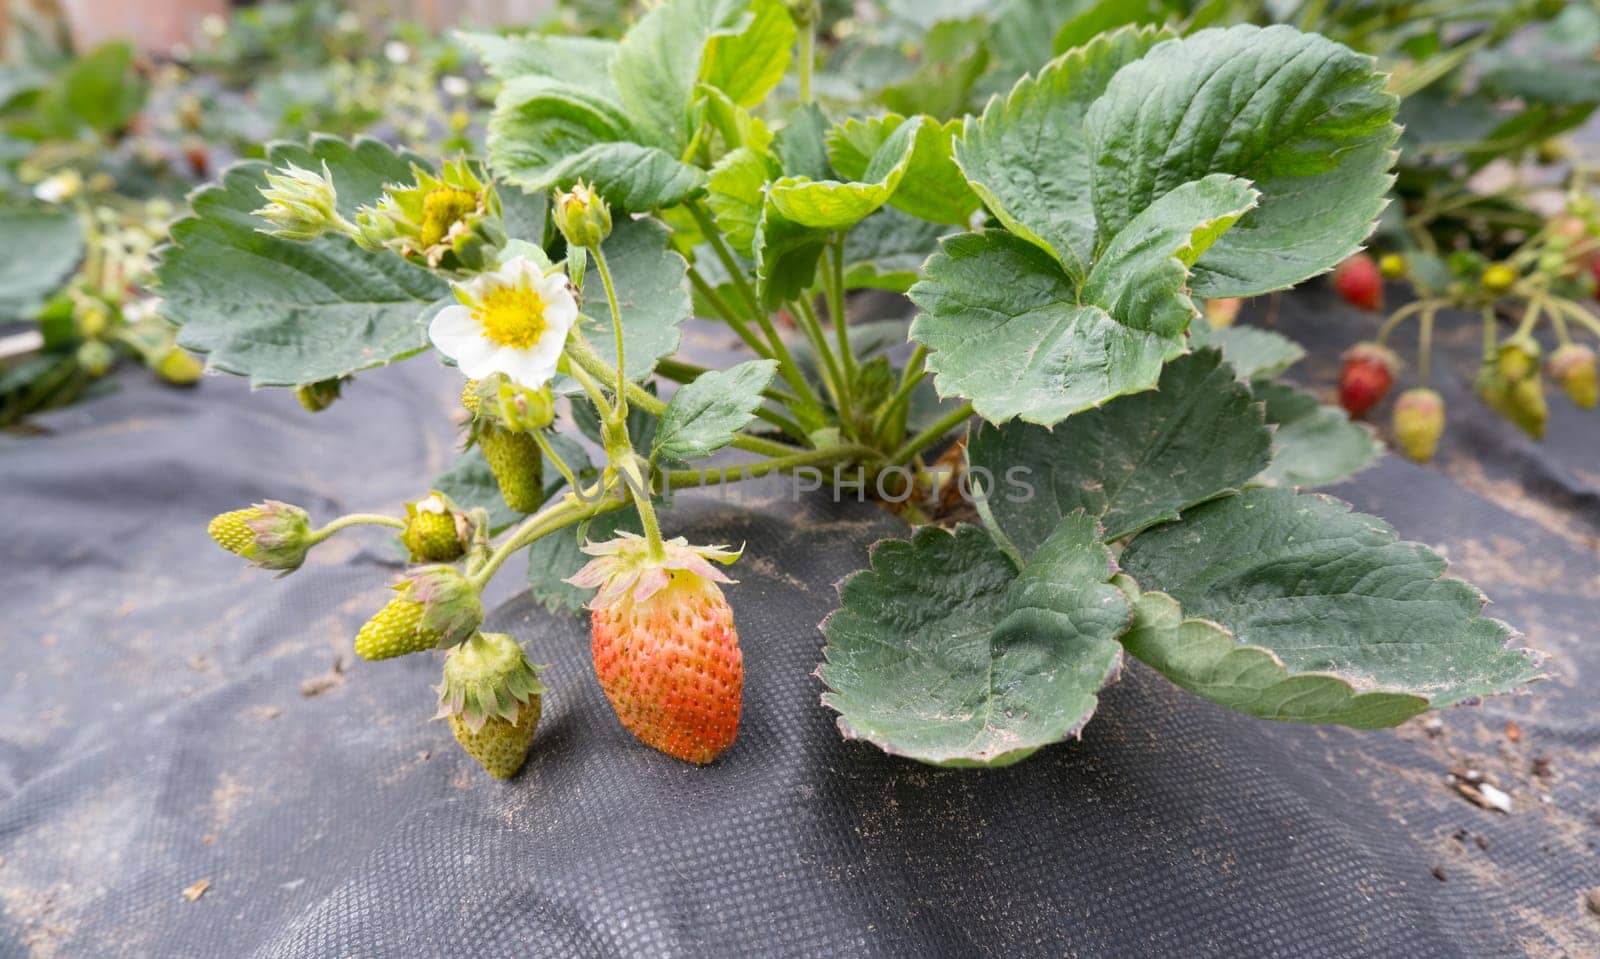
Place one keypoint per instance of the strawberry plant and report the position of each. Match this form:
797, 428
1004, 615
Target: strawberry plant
1117, 452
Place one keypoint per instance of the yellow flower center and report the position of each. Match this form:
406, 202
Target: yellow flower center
441, 210
512, 316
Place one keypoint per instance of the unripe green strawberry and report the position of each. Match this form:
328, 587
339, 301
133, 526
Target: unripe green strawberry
491, 695
436, 606
436, 532
179, 367
318, 396
1392, 266
664, 644
1419, 422
517, 464
1573, 366
1499, 278
273, 535
395, 631
1518, 359
1519, 398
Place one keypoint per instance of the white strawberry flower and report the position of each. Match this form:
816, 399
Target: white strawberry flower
514, 321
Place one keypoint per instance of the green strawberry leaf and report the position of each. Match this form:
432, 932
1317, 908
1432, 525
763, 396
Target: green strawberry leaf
658, 64
1026, 347
736, 193
1137, 461
585, 61
1028, 155
547, 133
746, 66
736, 126
284, 312
40, 248
801, 145
1330, 591
704, 415
1141, 275
933, 187
1314, 444
887, 249
1253, 353
834, 205
786, 255
1204, 659
945, 653
652, 293
1305, 119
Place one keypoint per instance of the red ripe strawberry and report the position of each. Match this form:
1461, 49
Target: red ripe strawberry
665, 648
1367, 375
199, 160
1359, 282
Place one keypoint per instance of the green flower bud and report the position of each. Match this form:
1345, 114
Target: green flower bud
582, 216
301, 204
272, 534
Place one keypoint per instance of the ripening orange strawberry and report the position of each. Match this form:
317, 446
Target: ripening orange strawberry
665, 648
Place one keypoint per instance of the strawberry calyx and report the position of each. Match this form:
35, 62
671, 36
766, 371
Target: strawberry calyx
487, 677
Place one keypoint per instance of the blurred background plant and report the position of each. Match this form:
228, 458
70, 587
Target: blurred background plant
96, 144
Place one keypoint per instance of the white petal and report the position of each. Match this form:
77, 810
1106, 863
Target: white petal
525, 368
477, 358
451, 325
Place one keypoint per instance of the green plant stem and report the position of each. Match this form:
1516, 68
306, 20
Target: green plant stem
1488, 333
573, 510
711, 296
1530, 317
780, 350
584, 356
932, 434
833, 378
833, 281
807, 57
682, 479
1425, 345
551, 455
570, 510
1400, 316
354, 519
1577, 313
909, 378
590, 386
616, 324
719, 246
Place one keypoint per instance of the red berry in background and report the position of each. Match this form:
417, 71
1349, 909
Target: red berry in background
1359, 282
1366, 378
199, 159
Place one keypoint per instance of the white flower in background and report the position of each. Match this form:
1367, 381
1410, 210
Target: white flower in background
455, 86
214, 26
396, 52
59, 188
348, 22
513, 321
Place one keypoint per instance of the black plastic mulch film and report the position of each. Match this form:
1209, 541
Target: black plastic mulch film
171, 717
